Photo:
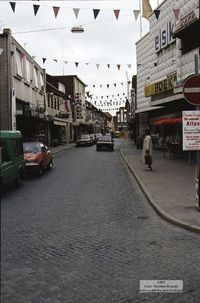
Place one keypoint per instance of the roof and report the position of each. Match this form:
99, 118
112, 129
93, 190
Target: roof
5, 134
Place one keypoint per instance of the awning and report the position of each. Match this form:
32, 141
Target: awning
147, 109
167, 121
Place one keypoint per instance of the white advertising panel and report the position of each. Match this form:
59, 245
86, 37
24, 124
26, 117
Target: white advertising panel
191, 130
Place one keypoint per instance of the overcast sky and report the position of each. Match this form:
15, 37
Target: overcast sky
105, 40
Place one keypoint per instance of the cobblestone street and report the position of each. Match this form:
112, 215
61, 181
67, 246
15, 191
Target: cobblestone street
85, 233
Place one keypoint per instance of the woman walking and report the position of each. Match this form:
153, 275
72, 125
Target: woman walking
147, 150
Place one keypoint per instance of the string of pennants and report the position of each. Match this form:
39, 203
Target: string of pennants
44, 60
96, 12
76, 11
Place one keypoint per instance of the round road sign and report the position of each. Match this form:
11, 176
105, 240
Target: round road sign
191, 89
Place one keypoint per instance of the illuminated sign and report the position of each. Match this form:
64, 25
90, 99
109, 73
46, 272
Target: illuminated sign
161, 86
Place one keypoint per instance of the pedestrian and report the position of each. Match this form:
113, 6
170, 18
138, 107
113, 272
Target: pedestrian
147, 150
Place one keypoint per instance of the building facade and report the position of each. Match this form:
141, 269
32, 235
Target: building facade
22, 89
165, 58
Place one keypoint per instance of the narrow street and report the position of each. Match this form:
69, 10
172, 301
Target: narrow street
85, 233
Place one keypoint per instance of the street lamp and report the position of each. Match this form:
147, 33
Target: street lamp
77, 29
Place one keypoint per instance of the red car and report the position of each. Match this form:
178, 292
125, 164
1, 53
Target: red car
37, 157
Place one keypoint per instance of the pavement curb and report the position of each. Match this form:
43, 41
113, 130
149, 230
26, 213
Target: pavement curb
155, 205
64, 148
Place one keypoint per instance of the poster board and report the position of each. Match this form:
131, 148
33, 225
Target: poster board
191, 130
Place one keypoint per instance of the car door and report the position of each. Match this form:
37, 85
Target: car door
7, 169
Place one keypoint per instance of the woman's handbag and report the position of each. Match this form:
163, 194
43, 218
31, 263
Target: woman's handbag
148, 160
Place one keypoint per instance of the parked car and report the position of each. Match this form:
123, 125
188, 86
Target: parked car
38, 157
84, 140
93, 138
11, 158
97, 136
105, 143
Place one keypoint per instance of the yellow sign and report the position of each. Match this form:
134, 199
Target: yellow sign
160, 87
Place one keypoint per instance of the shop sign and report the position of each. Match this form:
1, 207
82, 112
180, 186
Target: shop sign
161, 86
191, 130
164, 36
185, 21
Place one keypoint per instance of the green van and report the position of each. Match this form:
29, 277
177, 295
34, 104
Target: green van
11, 158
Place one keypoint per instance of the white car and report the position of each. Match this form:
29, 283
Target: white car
84, 140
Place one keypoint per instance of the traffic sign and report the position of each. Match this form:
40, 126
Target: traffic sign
191, 89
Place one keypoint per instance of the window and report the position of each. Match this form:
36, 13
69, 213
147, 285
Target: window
41, 81
48, 100
19, 57
52, 101
27, 71
61, 87
4, 157
17, 147
35, 70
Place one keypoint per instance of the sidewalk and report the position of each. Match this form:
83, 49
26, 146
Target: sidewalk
60, 148
169, 187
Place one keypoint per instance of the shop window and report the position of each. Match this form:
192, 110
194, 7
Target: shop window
35, 71
19, 58
4, 157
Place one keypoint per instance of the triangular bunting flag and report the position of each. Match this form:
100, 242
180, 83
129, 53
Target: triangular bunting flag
157, 13
35, 8
93, 86
1, 51
44, 60
122, 83
129, 65
116, 12
65, 62
108, 65
76, 12
146, 9
87, 63
136, 14
13, 4
96, 12
76, 63
100, 85
55, 60
176, 13
108, 85
118, 66
56, 10
115, 84
97, 65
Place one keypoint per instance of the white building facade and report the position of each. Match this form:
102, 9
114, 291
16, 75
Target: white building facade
165, 58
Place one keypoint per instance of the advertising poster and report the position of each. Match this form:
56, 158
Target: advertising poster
191, 130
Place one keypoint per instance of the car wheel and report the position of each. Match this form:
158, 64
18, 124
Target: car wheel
18, 180
50, 165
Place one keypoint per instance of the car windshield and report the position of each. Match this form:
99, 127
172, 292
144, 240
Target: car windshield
31, 147
85, 137
104, 138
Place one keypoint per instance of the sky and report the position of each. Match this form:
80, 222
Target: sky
105, 51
